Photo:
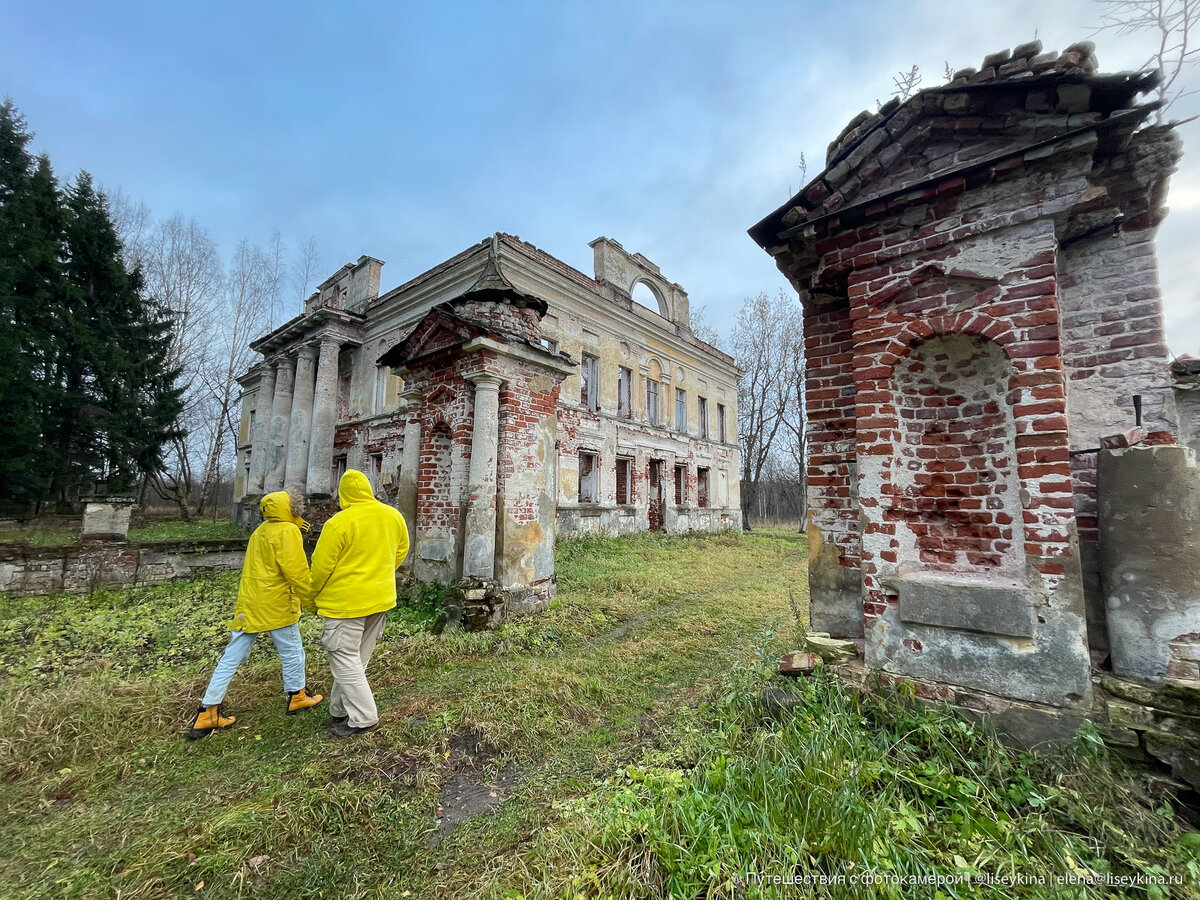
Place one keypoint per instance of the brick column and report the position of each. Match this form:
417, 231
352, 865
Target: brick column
410, 464
324, 420
259, 436
479, 549
281, 410
302, 408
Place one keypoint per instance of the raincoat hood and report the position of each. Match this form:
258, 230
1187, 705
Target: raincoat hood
275, 576
355, 561
354, 488
276, 506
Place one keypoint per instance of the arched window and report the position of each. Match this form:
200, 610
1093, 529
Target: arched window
647, 296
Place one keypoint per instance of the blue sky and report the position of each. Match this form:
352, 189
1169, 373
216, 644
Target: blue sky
410, 130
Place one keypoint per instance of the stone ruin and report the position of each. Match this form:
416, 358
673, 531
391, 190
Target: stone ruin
482, 392
999, 498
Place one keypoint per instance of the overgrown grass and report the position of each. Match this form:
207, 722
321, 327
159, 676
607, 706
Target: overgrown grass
852, 795
40, 537
164, 530
104, 797
639, 761
195, 530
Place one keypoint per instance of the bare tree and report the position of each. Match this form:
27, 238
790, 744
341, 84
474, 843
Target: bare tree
1175, 25
764, 344
305, 269
252, 288
273, 258
133, 222
182, 270
794, 469
701, 327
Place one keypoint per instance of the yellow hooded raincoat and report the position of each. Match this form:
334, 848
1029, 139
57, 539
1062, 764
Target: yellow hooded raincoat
360, 548
275, 574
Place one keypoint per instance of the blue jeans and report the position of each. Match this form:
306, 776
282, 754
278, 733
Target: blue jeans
287, 644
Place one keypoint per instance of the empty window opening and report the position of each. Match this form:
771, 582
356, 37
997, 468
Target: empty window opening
643, 295
702, 416
702, 488
624, 393
721, 432
654, 495
587, 477
589, 383
376, 471
624, 481
680, 485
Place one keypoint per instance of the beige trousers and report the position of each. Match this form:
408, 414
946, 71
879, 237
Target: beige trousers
350, 643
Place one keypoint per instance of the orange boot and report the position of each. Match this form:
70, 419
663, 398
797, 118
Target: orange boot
208, 720
300, 700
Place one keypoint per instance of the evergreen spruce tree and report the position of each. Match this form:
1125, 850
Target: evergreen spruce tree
118, 391
31, 293
86, 390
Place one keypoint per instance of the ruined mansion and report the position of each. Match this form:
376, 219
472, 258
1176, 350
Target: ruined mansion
498, 399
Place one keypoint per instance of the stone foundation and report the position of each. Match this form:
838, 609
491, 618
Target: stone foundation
476, 605
85, 567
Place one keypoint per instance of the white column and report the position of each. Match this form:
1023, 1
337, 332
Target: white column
281, 413
410, 466
260, 434
302, 407
479, 549
324, 420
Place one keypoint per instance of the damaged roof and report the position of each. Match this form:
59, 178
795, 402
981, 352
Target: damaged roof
1016, 100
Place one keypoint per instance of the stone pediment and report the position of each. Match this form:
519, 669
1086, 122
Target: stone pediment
440, 330
1018, 102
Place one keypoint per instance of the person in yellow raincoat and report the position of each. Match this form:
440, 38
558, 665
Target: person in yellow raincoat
353, 587
274, 581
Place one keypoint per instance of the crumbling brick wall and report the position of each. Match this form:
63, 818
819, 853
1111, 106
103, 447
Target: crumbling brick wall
992, 241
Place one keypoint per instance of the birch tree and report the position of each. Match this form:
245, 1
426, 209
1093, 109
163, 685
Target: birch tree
251, 291
765, 342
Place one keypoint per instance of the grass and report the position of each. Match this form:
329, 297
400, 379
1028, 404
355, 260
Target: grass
195, 530
621, 729
165, 530
40, 537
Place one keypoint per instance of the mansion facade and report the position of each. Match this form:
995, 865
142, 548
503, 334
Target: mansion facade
645, 430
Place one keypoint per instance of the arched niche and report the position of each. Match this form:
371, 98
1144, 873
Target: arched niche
955, 485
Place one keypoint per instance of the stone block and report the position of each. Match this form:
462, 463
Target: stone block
1027, 50
1172, 697
995, 59
107, 519
1035, 728
799, 663
1149, 517
966, 605
830, 649
1121, 439
1073, 98
1181, 754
